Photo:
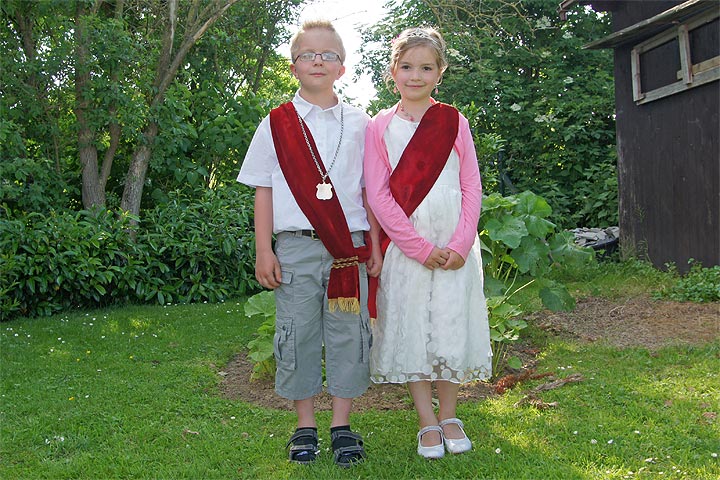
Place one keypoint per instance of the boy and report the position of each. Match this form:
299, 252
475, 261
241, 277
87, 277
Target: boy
305, 162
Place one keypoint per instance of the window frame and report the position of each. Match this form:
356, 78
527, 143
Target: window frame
690, 75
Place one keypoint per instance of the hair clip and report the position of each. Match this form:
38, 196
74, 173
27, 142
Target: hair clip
419, 32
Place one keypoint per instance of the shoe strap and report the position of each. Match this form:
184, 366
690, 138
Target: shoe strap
453, 420
429, 428
308, 433
346, 434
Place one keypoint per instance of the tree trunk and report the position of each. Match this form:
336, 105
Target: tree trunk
197, 24
93, 194
132, 194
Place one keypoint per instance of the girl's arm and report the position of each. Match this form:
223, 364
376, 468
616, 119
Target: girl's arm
470, 184
389, 214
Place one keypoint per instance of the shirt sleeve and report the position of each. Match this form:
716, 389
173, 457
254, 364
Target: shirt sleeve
261, 159
389, 214
471, 187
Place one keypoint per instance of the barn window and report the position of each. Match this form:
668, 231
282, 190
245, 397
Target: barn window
677, 59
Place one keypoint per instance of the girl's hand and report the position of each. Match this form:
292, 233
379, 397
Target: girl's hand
374, 263
455, 261
437, 258
267, 270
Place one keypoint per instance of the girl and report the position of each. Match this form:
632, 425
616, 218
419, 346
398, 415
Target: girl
423, 185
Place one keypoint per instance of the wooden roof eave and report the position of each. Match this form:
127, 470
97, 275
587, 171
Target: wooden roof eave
653, 24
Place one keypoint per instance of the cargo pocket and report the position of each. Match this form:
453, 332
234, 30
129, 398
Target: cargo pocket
284, 343
365, 338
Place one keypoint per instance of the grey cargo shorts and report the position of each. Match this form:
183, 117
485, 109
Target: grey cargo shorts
304, 325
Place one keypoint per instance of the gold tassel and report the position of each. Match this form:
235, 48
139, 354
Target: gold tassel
346, 304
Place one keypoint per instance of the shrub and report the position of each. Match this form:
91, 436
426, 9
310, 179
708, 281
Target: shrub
183, 252
519, 242
260, 348
698, 285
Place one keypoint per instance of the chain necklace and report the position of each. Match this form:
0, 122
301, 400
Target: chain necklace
324, 190
402, 109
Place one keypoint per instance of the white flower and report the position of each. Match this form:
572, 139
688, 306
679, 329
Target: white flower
593, 441
454, 53
543, 22
515, 107
567, 34
497, 450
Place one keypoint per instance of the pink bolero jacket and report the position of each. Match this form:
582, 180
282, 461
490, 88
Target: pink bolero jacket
391, 216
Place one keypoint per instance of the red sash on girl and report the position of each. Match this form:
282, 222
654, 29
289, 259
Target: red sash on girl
418, 169
326, 216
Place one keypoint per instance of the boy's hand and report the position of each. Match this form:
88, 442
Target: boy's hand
267, 270
454, 261
374, 263
437, 258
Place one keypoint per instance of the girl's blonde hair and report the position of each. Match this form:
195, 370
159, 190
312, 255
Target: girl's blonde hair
416, 37
315, 24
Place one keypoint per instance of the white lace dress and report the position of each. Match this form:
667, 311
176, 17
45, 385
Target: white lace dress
431, 325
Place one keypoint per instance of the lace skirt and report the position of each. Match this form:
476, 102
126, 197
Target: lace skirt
431, 325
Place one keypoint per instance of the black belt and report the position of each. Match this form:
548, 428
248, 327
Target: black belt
309, 233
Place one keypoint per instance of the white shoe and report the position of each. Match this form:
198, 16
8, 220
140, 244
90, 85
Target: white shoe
433, 451
456, 445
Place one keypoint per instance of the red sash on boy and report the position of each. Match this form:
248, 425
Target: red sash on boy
326, 216
418, 169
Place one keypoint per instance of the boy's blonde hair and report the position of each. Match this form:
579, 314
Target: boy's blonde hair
315, 24
416, 37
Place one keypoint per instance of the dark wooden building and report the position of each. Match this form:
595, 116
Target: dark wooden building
667, 86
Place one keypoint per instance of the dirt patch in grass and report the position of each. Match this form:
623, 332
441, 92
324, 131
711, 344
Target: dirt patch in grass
636, 322
631, 322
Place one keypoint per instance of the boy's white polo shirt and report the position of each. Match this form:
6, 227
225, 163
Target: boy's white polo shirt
261, 168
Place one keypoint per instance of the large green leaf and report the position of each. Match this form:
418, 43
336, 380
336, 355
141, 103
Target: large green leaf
564, 250
555, 296
493, 287
509, 230
531, 204
538, 227
496, 201
261, 304
531, 256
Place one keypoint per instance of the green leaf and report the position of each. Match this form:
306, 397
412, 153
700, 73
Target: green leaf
555, 296
532, 256
509, 230
261, 349
538, 227
564, 250
261, 304
531, 204
496, 201
493, 288
514, 362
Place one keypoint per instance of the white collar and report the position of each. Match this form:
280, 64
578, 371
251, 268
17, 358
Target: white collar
304, 107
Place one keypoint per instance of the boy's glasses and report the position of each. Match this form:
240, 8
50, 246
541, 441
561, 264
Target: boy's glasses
310, 57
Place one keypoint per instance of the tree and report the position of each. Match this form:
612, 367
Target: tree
198, 19
520, 74
114, 74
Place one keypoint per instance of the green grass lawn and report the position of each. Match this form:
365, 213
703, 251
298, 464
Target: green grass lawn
133, 393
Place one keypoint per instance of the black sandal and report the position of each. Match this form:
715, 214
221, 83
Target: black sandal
304, 447
347, 456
